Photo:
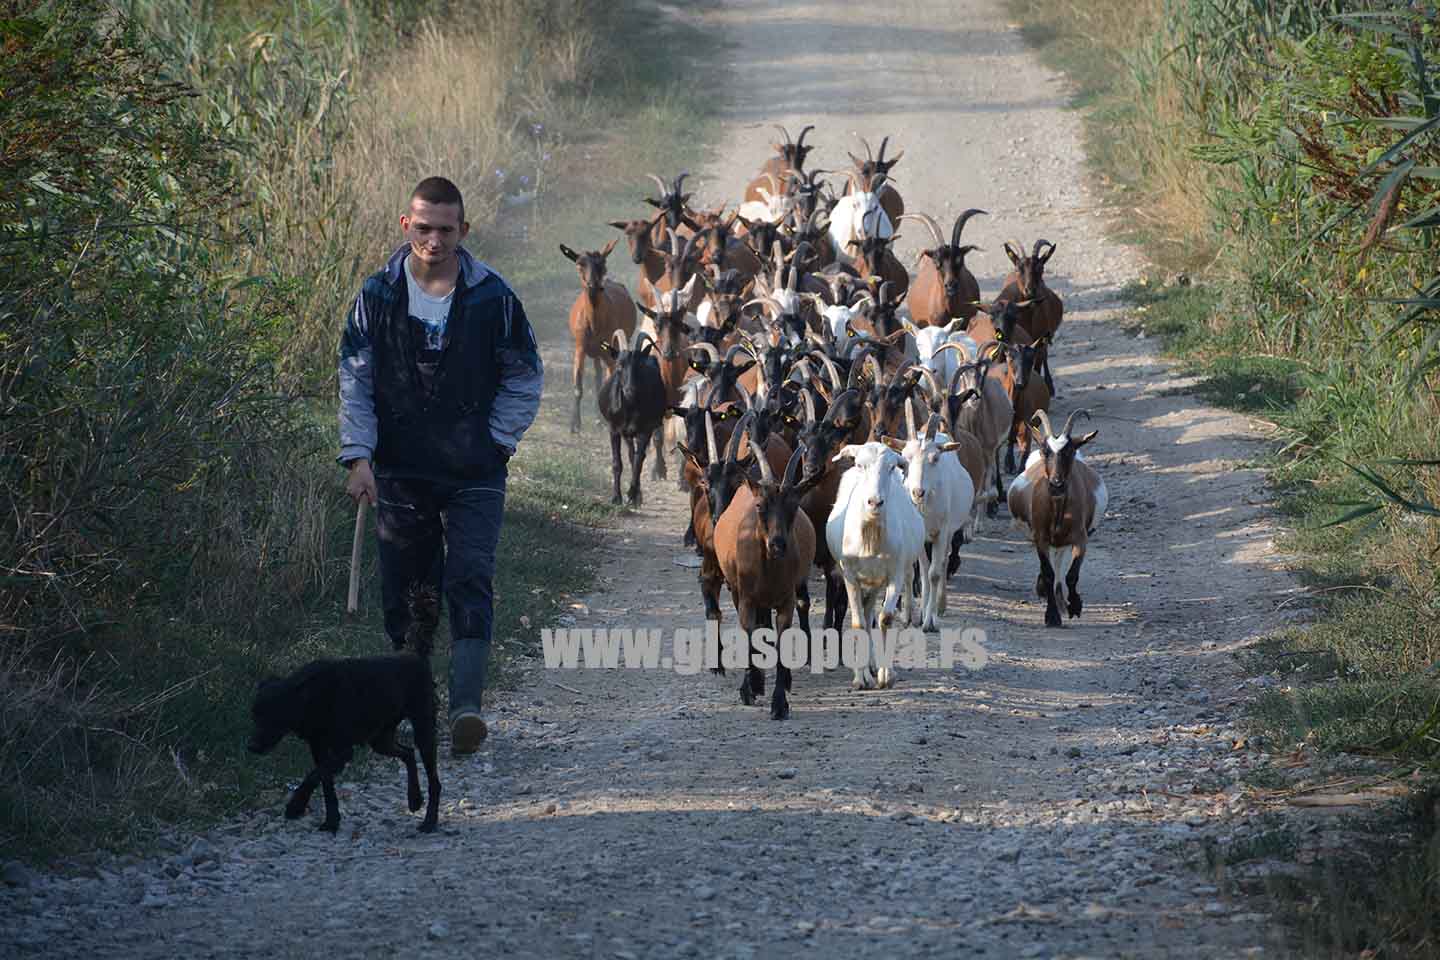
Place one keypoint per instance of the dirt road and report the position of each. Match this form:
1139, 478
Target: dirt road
1055, 803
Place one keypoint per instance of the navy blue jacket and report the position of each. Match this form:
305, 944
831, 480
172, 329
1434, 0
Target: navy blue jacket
484, 396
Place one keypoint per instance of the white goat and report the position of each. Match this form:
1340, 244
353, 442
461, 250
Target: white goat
858, 215
930, 341
876, 535
944, 494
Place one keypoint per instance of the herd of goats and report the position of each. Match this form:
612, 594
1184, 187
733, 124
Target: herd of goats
810, 384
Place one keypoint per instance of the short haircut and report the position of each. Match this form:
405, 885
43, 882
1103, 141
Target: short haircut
439, 190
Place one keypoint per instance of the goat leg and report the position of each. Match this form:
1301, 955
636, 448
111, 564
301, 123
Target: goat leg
779, 703
952, 566
1072, 583
1045, 587
615, 466
579, 378
757, 676
746, 616
638, 448
328, 769
658, 473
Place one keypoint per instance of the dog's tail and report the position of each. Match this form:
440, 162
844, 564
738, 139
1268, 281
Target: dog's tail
424, 603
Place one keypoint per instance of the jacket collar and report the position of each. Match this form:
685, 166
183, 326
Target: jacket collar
472, 271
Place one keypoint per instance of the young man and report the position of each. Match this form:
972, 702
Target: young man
440, 377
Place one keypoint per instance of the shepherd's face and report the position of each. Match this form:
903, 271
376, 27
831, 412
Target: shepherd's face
434, 231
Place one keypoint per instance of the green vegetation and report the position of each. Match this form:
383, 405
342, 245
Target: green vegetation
1284, 157
173, 523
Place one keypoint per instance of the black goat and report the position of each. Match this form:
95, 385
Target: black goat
633, 401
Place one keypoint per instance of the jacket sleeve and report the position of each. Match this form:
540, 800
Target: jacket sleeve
521, 376
358, 422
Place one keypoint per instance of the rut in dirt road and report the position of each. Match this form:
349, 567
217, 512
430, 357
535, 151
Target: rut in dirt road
1053, 803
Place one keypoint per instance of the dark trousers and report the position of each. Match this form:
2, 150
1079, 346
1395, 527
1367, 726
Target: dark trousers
445, 537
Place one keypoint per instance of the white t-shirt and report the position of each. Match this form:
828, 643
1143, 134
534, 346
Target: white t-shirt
430, 312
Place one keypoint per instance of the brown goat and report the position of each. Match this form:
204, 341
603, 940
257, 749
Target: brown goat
873, 166
1061, 499
765, 544
602, 307
944, 288
789, 157
642, 237
1043, 308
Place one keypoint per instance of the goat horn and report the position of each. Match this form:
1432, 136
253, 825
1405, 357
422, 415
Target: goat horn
745, 396
734, 349
960, 224
955, 345
936, 391
640, 337
659, 183
792, 469
710, 445
809, 403
830, 368
1071, 421
801, 141
1044, 419
879, 373
763, 462
620, 335
932, 427
708, 348
1038, 245
929, 222
784, 133
680, 179
909, 419
732, 449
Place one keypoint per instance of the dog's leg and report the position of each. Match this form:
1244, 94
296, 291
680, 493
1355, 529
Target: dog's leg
385, 745
300, 798
424, 726
331, 764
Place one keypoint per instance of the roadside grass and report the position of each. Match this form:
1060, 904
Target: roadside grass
119, 750
1302, 349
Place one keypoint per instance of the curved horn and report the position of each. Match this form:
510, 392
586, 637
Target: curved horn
869, 154
932, 427
1070, 422
1038, 245
1044, 419
745, 396
761, 461
809, 403
955, 345
784, 133
880, 157
879, 373
708, 348
909, 419
710, 446
640, 337
929, 222
734, 349
936, 390
830, 368
659, 183
801, 141
792, 469
679, 180
732, 449
620, 335
960, 222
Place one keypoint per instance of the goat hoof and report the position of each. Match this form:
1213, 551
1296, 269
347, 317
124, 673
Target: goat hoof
415, 802
747, 696
779, 710
1052, 619
617, 500
757, 685
331, 827
294, 810
992, 508
885, 679
718, 671
428, 826
1075, 607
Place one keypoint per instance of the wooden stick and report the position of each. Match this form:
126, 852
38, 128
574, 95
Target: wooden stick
353, 604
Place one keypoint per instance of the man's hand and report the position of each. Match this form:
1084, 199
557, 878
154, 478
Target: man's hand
361, 482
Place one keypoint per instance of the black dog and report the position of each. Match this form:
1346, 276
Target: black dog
335, 705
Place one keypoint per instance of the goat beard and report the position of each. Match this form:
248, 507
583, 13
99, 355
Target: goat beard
872, 535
